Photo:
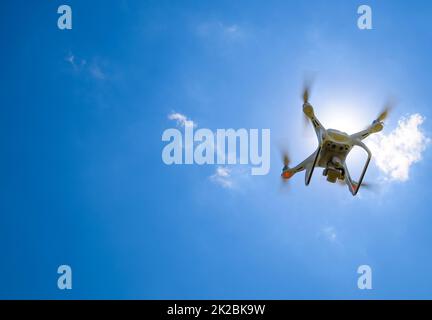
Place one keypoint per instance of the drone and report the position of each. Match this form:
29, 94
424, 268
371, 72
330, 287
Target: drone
333, 149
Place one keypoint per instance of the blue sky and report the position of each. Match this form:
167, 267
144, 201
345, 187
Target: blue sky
83, 182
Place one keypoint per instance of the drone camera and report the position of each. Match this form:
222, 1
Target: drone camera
333, 174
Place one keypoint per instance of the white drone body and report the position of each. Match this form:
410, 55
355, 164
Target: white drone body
333, 148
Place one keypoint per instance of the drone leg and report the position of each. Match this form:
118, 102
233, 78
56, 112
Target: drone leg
304, 165
352, 186
308, 164
311, 165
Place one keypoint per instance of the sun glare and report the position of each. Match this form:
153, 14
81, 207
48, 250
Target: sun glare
344, 116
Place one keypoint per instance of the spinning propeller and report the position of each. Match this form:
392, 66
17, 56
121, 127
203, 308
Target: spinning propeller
384, 114
364, 185
378, 123
388, 107
286, 173
306, 90
305, 96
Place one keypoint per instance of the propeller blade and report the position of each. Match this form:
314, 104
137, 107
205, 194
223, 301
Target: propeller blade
386, 110
367, 185
384, 114
305, 94
364, 185
286, 159
307, 84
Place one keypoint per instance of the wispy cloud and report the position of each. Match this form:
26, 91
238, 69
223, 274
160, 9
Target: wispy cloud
329, 233
220, 30
80, 65
233, 177
96, 72
396, 152
229, 176
222, 177
181, 119
76, 63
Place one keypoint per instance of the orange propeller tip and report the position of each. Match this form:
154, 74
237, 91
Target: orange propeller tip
287, 174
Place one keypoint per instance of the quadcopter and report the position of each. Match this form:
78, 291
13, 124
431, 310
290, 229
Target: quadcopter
333, 149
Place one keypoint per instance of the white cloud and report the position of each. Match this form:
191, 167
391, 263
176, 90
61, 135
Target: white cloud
222, 176
223, 172
329, 233
231, 30
97, 72
229, 177
75, 62
219, 29
181, 119
70, 58
94, 69
396, 152
232, 177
